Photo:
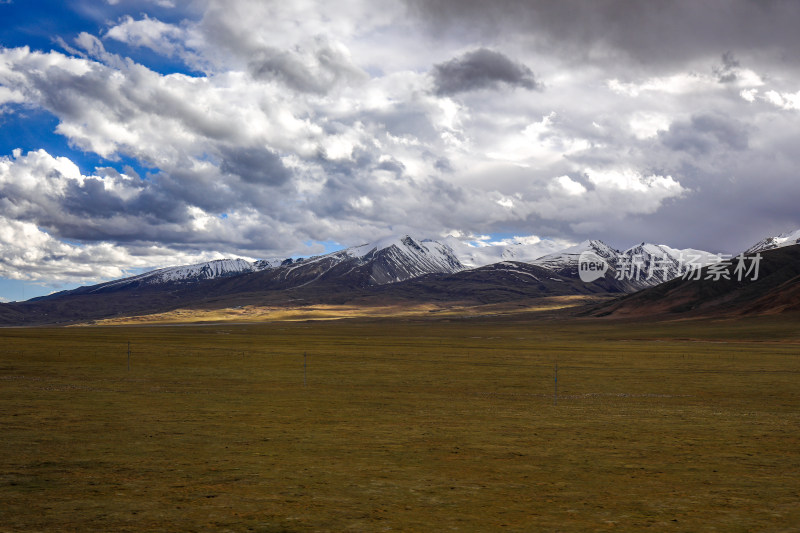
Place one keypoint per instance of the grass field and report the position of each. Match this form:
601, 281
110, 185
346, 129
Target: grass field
412, 425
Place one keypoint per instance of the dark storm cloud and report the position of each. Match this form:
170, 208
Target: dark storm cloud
392, 165
480, 69
723, 214
737, 196
362, 160
651, 32
91, 198
255, 165
727, 72
703, 133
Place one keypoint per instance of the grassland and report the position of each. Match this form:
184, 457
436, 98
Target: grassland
412, 425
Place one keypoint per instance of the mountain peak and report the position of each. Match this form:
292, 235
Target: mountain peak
590, 245
479, 253
215, 268
784, 239
399, 258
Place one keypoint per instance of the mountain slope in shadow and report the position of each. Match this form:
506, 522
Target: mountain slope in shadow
775, 290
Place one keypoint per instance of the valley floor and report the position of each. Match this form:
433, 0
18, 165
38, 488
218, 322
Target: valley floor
403, 424
405, 310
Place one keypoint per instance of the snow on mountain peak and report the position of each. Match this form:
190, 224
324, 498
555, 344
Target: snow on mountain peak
643, 265
208, 270
568, 257
381, 244
216, 268
481, 252
405, 257
400, 257
779, 241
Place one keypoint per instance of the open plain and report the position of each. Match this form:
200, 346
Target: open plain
403, 425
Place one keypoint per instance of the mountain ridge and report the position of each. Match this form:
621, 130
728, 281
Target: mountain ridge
398, 268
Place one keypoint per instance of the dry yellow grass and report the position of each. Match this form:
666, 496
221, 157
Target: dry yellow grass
252, 313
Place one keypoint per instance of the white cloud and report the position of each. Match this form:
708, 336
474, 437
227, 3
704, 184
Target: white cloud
565, 184
782, 99
28, 253
9, 96
629, 180
677, 84
612, 194
647, 124
166, 39
539, 142
508, 203
749, 94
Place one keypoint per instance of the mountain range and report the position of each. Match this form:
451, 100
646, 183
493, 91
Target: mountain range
396, 269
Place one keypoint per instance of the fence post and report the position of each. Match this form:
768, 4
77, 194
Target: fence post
555, 389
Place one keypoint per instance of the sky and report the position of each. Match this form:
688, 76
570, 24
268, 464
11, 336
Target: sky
136, 134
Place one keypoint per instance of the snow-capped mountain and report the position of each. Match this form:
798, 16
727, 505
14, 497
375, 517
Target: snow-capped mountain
643, 265
389, 260
209, 270
398, 259
784, 239
217, 268
651, 264
266, 264
565, 262
477, 254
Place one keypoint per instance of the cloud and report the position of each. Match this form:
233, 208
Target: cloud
566, 185
316, 68
163, 38
783, 100
682, 83
28, 253
728, 72
605, 196
705, 132
481, 69
112, 207
650, 34
254, 165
